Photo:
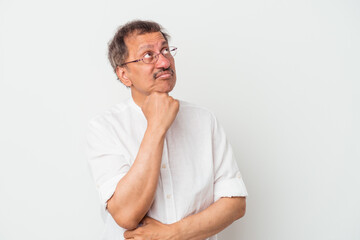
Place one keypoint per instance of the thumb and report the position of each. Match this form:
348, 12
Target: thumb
147, 220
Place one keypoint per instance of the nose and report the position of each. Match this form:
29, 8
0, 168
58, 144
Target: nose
162, 62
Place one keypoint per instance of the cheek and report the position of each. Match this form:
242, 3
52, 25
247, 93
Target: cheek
172, 63
147, 70
142, 74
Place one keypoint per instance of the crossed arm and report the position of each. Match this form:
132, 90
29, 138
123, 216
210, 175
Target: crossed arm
199, 226
135, 192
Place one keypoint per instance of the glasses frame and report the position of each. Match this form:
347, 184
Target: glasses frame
156, 57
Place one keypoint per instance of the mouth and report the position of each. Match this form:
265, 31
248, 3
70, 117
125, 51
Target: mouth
164, 74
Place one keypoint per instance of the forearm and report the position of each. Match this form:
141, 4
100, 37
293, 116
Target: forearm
134, 193
212, 220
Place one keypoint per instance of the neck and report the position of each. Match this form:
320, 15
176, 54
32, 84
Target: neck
138, 98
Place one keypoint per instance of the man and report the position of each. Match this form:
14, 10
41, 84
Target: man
163, 167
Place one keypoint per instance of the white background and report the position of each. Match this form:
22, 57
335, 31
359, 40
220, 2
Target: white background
281, 76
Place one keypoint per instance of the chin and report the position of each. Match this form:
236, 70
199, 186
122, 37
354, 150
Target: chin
165, 90
168, 86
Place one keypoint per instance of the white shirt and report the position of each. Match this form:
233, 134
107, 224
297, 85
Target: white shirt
197, 168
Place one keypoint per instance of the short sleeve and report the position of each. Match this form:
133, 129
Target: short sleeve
228, 181
107, 159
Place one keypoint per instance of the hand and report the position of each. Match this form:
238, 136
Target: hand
160, 111
152, 230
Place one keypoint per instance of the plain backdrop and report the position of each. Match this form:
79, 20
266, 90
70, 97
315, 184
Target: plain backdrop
281, 76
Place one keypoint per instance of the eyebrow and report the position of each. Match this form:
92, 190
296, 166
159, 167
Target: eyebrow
150, 46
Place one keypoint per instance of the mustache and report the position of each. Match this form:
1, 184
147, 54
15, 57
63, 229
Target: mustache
167, 70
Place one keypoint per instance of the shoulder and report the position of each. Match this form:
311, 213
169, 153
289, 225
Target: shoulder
195, 111
187, 106
114, 114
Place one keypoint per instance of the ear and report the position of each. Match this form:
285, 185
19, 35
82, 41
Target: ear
121, 72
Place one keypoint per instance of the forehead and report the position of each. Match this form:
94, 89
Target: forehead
138, 42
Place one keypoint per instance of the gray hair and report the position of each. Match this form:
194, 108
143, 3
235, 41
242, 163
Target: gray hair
118, 51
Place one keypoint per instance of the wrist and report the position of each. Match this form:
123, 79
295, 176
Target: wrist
156, 131
177, 230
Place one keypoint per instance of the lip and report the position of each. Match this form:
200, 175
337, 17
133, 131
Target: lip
166, 74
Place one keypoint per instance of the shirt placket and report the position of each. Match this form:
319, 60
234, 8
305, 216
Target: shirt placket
167, 185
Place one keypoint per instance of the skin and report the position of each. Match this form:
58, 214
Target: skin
199, 226
140, 76
150, 86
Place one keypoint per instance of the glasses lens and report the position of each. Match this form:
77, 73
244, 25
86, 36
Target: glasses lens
149, 58
154, 57
173, 51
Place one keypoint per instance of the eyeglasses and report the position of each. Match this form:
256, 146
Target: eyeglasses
152, 57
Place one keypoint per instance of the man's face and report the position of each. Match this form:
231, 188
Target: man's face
152, 77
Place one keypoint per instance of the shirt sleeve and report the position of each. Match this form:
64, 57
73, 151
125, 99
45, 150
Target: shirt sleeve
107, 159
228, 181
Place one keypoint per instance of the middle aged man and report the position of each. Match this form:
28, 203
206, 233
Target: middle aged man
163, 167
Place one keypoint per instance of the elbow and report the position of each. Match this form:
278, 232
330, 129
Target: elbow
242, 212
126, 222
123, 218
241, 208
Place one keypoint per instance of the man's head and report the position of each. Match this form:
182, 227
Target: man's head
130, 50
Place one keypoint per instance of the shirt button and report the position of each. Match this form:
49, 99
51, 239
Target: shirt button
168, 196
238, 175
164, 165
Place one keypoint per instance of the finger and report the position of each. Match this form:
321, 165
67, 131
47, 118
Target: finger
147, 220
129, 234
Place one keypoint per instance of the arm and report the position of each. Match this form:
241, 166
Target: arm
212, 220
134, 193
199, 226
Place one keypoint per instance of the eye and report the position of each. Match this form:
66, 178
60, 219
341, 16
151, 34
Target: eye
165, 51
149, 55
